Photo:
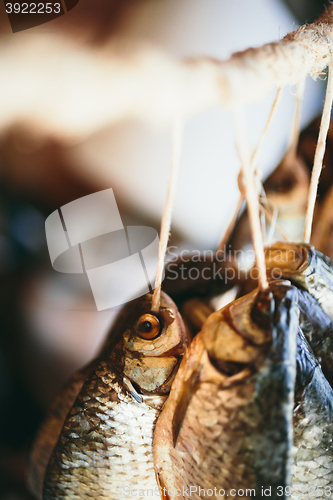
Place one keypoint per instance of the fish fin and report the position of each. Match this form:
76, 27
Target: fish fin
182, 405
160, 483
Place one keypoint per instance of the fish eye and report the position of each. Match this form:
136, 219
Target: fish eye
148, 326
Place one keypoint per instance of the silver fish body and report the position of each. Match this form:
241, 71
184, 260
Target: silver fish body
312, 468
102, 444
105, 446
318, 330
227, 424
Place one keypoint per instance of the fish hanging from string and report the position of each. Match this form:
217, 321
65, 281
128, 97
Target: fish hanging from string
103, 437
284, 193
97, 439
227, 424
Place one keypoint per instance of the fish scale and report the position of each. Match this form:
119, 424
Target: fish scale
119, 450
244, 442
209, 457
313, 429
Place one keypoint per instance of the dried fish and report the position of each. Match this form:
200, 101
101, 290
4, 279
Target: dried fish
227, 424
313, 428
104, 445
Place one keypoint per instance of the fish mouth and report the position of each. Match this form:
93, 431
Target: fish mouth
153, 400
288, 258
232, 339
133, 389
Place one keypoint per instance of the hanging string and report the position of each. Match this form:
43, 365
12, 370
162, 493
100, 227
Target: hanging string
319, 154
274, 107
254, 158
252, 199
272, 217
296, 123
167, 212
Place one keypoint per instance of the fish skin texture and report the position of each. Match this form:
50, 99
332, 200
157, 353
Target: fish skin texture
312, 468
235, 431
105, 445
97, 439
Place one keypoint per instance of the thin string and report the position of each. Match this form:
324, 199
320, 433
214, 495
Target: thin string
274, 222
291, 154
296, 123
251, 196
177, 134
272, 219
319, 154
254, 158
275, 104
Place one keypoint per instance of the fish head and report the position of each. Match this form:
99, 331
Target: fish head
288, 260
149, 347
284, 260
241, 334
306, 267
288, 187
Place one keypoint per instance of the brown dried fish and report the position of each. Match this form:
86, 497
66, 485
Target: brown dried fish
104, 444
227, 424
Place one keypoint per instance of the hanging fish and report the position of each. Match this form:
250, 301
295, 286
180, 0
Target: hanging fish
227, 425
102, 438
313, 428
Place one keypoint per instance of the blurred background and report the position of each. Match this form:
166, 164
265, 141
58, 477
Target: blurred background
49, 325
